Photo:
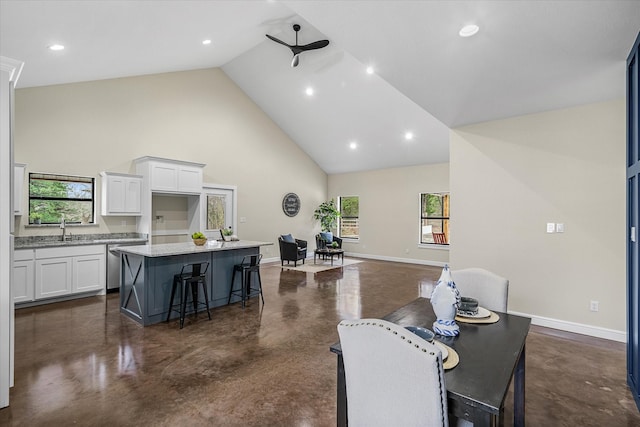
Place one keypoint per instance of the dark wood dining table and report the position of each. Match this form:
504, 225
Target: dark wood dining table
490, 356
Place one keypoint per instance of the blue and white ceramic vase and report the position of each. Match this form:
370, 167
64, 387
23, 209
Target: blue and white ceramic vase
445, 299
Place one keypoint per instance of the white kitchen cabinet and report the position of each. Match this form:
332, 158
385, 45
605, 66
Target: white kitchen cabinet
69, 270
53, 277
89, 273
23, 275
18, 187
171, 176
121, 194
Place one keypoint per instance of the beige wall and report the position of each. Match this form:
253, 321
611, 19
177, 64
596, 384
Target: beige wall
510, 177
390, 210
199, 116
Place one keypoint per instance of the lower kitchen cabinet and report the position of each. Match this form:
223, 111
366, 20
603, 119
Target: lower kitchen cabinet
23, 276
53, 277
58, 272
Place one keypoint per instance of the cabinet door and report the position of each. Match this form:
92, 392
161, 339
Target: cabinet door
23, 285
164, 177
53, 277
189, 179
89, 273
132, 196
18, 186
116, 193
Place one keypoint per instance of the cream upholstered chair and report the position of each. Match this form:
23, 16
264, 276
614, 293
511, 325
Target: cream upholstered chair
393, 377
491, 290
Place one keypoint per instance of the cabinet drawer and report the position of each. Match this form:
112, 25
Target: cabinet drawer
23, 255
70, 251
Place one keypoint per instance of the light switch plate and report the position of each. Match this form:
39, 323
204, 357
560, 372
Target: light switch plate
551, 227
560, 227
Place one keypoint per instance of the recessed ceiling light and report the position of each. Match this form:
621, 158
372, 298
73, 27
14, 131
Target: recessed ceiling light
309, 91
206, 42
469, 30
353, 145
56, 47
370, 70
408, 136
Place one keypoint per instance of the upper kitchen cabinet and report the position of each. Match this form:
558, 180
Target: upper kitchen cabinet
121, 194
171, 176
18, 187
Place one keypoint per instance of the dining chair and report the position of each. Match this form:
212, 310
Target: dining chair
491, 290
393, 377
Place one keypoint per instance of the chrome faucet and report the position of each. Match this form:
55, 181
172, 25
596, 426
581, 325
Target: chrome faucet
63, 226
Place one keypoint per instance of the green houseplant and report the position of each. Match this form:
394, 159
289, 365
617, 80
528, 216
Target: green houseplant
327, 214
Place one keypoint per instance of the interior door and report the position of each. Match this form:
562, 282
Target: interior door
219, 209
633, 221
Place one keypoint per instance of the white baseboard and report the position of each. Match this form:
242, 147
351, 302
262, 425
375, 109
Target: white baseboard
578, 328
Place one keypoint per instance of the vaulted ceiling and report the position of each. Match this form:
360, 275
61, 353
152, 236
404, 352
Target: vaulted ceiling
528, 56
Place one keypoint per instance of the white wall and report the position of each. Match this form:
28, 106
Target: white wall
199, 116
390, 210
510, 177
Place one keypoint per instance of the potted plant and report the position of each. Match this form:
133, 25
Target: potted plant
36, 218
327, 214
227, 234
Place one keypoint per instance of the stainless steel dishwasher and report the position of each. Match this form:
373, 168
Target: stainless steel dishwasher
113, 265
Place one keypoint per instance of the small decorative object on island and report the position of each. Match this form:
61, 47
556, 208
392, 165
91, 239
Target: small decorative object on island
445, 299
198, 238
227, 235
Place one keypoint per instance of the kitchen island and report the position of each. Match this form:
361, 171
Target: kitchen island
146, 274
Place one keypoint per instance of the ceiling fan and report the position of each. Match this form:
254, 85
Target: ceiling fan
297, 49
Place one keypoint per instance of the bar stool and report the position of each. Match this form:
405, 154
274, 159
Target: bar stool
191, 275
250, 264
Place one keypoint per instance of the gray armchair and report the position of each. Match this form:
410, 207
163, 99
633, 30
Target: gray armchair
292, 249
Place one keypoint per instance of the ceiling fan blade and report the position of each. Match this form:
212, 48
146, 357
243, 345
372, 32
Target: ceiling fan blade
277, 40
315, 45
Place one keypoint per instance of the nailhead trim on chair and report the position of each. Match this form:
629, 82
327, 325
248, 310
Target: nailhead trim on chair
417, 346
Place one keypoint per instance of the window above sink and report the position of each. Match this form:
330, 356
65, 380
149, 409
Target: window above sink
53, 198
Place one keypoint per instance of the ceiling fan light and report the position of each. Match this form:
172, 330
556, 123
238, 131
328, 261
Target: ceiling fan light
469, 30
295, 60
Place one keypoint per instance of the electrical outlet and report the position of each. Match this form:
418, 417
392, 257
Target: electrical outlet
123, 222
594, 305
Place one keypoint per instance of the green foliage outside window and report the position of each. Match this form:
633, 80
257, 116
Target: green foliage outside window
53, 198
215, 212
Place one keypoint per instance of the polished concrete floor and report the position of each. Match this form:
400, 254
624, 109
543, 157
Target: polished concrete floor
82, 363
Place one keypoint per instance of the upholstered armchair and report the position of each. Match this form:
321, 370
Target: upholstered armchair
322, 242
292, 249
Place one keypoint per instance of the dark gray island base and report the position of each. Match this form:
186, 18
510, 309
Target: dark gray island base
146, 274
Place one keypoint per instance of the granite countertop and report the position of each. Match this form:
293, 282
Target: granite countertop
169, 249
36, 242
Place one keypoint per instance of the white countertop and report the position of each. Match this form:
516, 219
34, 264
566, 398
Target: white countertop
169, 249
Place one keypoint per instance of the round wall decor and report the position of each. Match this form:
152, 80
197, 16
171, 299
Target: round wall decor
291, 204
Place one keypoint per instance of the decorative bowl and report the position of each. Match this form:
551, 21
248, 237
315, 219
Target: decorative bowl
468, 305
199, 242
423, 333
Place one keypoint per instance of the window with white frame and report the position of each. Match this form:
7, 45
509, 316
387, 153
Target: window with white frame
349, 226
434, 218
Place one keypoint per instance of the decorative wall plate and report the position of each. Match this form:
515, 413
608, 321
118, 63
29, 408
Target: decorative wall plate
291, 204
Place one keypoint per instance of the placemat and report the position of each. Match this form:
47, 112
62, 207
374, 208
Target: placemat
493, 318
452, 359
